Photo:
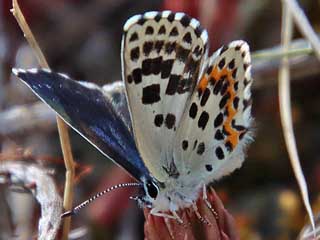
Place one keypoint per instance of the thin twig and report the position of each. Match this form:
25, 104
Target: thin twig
285, 109
303, 24
279, 53
265, 63
62, 128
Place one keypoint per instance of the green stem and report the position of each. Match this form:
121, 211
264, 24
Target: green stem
279, 53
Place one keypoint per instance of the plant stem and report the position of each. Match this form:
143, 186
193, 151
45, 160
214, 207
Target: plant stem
62, 127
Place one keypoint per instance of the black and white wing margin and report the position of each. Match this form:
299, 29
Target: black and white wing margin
98, 114
162, 55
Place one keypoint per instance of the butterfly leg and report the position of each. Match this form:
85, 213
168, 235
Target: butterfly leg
165, 215
177, 217
174, 215
205, 199
196, 211
140, 201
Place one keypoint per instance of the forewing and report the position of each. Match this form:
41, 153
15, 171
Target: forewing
90, 111
161, 58
215, 127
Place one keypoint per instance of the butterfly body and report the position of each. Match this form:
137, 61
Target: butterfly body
178, 121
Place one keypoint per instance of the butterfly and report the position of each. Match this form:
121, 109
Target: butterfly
178, 121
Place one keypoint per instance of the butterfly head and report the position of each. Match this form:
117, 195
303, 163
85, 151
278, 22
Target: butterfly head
151, 189
170, 195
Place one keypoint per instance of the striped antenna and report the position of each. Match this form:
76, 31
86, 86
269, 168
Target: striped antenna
99, 194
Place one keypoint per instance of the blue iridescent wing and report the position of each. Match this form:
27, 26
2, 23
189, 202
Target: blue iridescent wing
91, 111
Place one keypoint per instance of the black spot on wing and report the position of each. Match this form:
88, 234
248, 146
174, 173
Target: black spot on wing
129, 79
162, 30
137, 75
156, 65
170, 120
218, 135
166, 68
171, 17
158, 17
218, 85
170, 47
149, 30
221, 63
218, 120
203, 120
197, 51
209, 167
219, 153
158, 120
142, 20
151, 94
224, 88
151, 66
185, 144
231, 64
146, 66
201, 148
133, 37
182, 53
134, 54
172, 84
187, 38
195, 144
224, 100
147, 48
234, 73
185, 20
236, 102
193, 110
236, 86
198, 31
205, 97
158, 46
209, 70
174, 32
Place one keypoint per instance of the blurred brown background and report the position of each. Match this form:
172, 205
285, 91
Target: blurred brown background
82, 38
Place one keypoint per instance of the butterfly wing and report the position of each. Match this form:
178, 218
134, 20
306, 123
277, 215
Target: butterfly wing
116, 94
161, 60
214, 129
91, 112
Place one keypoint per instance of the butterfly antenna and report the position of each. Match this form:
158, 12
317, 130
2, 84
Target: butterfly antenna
99, 194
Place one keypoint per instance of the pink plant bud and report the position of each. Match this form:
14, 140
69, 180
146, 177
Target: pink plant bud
221, 223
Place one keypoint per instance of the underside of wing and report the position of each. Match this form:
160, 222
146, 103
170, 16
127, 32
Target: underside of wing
162, 55
91, 112
215, 127
116, 94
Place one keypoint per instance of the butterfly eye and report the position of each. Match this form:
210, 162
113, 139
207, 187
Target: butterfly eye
152, 189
